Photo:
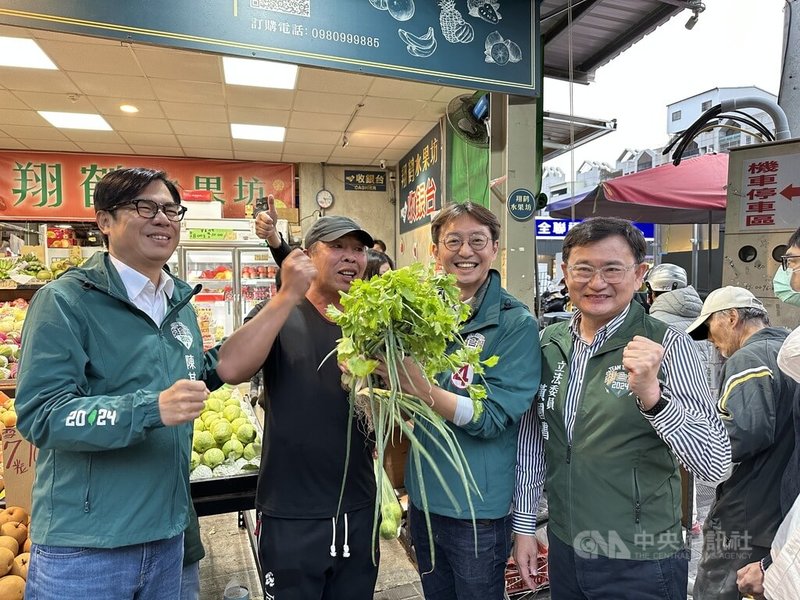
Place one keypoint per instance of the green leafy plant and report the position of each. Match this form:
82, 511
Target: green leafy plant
412, 312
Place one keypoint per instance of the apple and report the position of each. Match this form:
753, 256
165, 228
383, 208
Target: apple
20, 566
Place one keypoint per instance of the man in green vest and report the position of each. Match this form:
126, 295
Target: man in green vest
623, 402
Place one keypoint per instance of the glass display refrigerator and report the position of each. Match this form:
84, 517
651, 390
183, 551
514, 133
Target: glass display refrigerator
235, 275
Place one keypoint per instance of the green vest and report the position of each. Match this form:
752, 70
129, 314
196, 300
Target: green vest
615, 490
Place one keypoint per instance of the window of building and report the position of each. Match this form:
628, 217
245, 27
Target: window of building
645, 162
706, 105
676, 116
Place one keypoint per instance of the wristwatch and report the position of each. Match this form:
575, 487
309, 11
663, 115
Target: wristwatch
658, 406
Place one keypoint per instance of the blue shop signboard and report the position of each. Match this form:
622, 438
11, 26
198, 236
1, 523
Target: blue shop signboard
476, 44
521, 205
421, 181
364, 181
556, 229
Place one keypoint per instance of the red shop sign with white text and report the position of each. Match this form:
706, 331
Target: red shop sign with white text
45, 186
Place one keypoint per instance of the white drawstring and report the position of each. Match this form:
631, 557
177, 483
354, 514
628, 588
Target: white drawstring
333, 539
345, 547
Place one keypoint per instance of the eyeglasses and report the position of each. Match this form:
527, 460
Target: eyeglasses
477, 241
149, 209
790, 262
609, 273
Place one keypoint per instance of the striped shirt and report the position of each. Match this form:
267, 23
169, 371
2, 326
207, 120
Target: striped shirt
688, 424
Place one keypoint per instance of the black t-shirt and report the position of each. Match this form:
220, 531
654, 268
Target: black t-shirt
305, 437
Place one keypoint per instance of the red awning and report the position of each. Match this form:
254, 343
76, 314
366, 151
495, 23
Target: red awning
692, 192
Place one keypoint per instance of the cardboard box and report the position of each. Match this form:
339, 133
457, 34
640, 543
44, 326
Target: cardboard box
394, 461
290, 214
19, 460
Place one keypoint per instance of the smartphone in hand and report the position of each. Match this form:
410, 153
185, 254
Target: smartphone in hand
261, 205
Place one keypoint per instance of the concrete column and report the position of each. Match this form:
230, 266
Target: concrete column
789, 94
516, 163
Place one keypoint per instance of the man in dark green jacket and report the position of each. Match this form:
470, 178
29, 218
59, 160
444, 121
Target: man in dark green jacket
623, 400
465, 238
112, 375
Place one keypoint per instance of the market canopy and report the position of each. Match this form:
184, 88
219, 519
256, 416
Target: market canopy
692, 192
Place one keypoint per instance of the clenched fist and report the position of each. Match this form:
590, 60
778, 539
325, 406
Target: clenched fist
642, 359
182, 401
297, 273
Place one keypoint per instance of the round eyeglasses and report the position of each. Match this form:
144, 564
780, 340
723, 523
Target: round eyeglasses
476, 241
149, 209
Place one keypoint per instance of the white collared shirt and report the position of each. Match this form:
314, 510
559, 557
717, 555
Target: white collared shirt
141, 291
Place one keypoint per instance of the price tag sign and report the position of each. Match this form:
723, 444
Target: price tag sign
19, 460
211, 234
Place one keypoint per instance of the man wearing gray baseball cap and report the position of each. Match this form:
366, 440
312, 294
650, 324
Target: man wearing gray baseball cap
309, 546
329, 229
755, 405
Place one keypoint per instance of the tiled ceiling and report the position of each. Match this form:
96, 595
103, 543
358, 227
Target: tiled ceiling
185, 108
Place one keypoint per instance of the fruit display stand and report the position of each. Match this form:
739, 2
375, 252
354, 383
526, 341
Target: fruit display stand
226, 454
225, 488
18, 455
11, 290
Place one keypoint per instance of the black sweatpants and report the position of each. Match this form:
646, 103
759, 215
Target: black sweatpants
295, 557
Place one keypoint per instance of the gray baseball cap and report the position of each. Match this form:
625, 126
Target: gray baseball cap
328, 229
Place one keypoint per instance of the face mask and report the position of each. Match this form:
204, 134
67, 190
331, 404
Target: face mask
789, 356
782, 286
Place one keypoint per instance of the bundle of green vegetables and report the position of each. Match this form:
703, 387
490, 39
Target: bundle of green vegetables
413, 313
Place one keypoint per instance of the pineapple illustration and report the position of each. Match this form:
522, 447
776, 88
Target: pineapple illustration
454, 28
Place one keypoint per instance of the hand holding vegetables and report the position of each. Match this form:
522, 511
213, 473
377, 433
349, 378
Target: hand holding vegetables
407, 321
412, 381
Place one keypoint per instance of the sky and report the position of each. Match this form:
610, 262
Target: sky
734, 43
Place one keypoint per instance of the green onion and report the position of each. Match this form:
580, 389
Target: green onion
411, 312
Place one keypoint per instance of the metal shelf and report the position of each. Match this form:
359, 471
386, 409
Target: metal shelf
218, 495
212, 281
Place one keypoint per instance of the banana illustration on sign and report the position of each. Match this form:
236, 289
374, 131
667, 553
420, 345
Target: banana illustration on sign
421, 46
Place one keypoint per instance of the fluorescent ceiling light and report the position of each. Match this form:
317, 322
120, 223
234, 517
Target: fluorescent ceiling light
67, 120
264, 133
259, 73
23, 52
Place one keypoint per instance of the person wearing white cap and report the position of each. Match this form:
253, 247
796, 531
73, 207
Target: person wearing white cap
755, 405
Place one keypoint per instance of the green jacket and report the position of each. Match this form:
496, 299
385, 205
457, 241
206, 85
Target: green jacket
615, 490
503, 326
108, 473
